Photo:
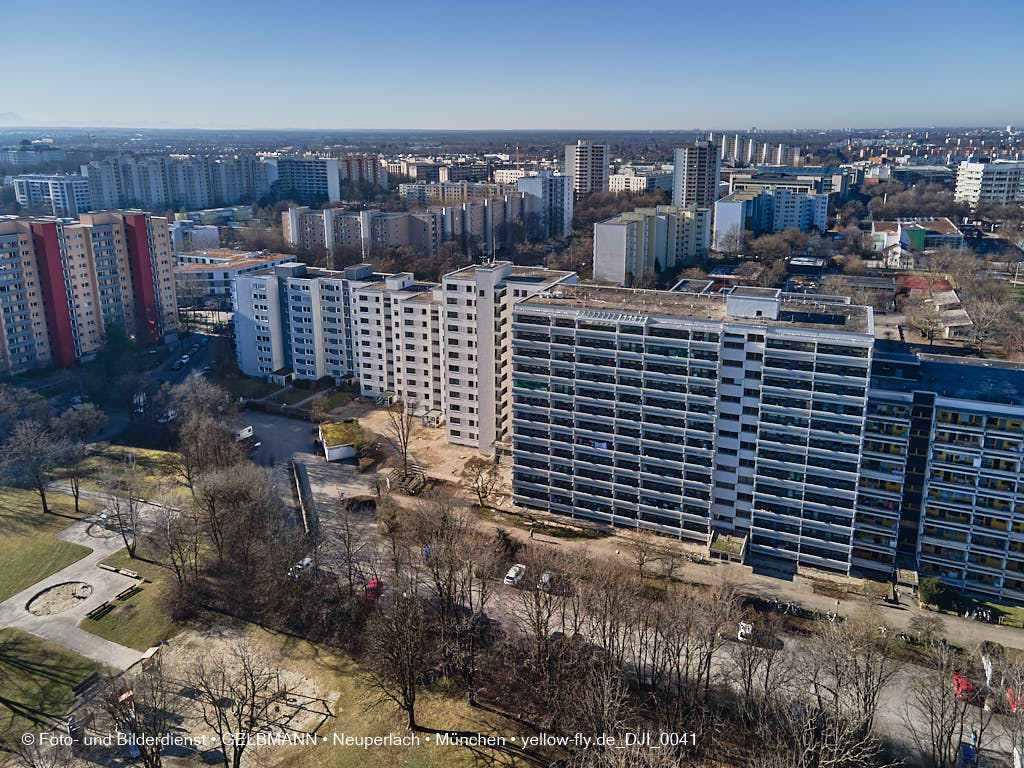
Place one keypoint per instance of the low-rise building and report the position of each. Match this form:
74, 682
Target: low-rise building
903, 243
637, 182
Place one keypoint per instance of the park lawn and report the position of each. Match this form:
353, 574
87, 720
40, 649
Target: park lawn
339, 398
156, 466
293, 396
37, 681
28, 550
137, 622
355, 714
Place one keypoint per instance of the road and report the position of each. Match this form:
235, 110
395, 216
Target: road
280, 437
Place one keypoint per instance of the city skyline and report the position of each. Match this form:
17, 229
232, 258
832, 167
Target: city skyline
562, 73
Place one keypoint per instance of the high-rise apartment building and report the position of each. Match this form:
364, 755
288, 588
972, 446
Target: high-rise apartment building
66, 282
369, 230
650, 240
297, 319
778, 418
765, 212
685, 414
587, 162
1000, 182
62, 195
445, 192
695, 175
552, 209
442, 348
366, 168
209, 274
308, 179
160, 182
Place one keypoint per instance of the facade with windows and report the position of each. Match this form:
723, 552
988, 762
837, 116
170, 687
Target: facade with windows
685, 413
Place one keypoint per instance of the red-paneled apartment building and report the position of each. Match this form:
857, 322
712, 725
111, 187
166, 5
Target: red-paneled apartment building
64, 282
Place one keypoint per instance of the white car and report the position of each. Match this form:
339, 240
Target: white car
746, 633
515, 575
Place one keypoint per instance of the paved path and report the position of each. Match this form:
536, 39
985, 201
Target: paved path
62, 628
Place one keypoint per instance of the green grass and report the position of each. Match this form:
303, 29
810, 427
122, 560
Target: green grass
28, 550
155, 465
561, 532
343, 433
137, 622
339, 398
293, 396
37, 679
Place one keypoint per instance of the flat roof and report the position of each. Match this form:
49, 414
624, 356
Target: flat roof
939, 226
229, 259
991, 381
824, 316
531, 274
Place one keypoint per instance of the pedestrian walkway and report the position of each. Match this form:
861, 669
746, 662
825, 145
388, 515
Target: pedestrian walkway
62, 628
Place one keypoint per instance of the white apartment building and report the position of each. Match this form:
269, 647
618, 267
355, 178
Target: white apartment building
210, 274
650, 240
309, 179
507, 175
398, 338
695, 175
767, 211
443, 348
587, 162
62, 196
552, 207
1000, 182
637, 182
687, 414
295, 320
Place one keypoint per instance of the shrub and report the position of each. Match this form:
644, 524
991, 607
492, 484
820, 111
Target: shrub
933, 590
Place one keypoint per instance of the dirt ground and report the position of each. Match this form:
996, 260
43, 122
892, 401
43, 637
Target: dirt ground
811, 589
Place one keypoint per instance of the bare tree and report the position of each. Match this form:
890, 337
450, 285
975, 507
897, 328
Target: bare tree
924, 317
482, 476
139, 706
229, 501
77, 469
32, 455
239, 694
643, 548
177, 540
80, 422
400, 430
39, 755
936, 717
398, 630
123, 487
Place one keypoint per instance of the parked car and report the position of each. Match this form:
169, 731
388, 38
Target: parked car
546, 581
374, 589
178, 365
300, 567
965, 689
515, 575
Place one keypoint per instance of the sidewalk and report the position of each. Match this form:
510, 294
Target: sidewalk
62, 628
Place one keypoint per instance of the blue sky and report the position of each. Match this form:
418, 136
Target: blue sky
527, 64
